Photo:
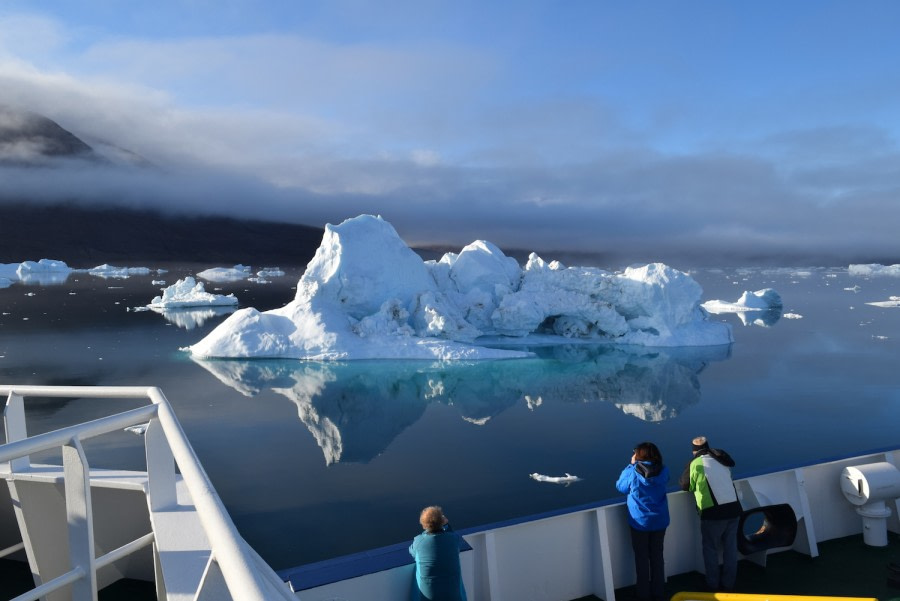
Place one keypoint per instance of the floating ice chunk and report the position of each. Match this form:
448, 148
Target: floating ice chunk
761, 300
893, 301
45, 271
111, 271
853, 289
189, 293
366, 294
270, 272
867, 269
793, 316
567, 479
226, 274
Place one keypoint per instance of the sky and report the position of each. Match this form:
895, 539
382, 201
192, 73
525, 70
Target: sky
640, 130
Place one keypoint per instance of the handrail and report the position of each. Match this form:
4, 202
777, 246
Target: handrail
61, 437
240, 571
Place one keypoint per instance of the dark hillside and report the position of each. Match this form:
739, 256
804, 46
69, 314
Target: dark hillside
85, 237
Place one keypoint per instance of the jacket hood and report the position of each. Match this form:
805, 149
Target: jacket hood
648, 469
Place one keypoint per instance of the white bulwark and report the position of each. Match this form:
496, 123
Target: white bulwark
171, 528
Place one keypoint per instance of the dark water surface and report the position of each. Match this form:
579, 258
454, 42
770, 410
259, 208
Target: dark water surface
317, 460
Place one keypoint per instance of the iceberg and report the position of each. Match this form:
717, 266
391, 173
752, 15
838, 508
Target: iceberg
226, 274
762, 308
43, 272
874, 269
367, 295
190, 293
761, 300
111, 271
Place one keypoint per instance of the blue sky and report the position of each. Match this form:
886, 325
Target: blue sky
646, 130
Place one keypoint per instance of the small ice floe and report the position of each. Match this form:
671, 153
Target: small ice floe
853, 288
567, 479
226, 274
190, 293
880, 337
158, 282
120, 273
139, 429
270, 272
792, 316
762, 308
893, 301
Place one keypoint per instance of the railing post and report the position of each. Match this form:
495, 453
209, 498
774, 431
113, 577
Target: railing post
160, 467
81, 521
14, 427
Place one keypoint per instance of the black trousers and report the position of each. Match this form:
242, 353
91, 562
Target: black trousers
649, 565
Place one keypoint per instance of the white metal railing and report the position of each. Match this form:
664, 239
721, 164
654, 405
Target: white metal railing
245, 575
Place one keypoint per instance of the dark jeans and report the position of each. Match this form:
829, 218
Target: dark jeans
720, 535
649, 566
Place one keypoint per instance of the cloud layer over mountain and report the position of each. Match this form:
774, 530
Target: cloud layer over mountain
684, 140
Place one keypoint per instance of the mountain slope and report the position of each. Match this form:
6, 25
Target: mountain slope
89, 236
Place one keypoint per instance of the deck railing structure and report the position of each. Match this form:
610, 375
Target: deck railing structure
232, 561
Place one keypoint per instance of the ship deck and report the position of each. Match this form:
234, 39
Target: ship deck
846, 567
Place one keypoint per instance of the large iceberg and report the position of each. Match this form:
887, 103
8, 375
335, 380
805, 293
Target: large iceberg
367, 295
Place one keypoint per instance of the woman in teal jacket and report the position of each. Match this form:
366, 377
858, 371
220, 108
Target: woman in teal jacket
436, 551
644, 480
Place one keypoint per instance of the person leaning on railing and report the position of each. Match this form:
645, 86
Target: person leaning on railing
708, 476
644, 480
436, 551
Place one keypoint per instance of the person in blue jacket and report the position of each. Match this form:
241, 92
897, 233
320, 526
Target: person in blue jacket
436, 551
644, 480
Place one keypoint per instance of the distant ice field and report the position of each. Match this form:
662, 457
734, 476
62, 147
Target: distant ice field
299, 450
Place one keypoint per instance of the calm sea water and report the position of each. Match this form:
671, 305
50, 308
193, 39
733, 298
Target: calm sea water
318, 460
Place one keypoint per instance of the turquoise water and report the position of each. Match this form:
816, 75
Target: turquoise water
317, 460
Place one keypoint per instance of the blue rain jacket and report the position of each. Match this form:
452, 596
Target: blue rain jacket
645, 484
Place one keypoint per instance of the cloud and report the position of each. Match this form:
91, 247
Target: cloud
305, 130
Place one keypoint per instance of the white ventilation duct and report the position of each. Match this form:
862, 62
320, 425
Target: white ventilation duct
868, 487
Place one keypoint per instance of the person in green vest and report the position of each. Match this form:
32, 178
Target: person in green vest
708, 476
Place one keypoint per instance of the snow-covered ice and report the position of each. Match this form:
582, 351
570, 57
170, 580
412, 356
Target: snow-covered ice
876, 269
893, 301
43, 272
226, 274
190, 293
761, 300
760, 308
111, 271
366, 294
567, 479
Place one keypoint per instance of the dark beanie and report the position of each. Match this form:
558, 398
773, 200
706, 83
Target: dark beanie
699, 443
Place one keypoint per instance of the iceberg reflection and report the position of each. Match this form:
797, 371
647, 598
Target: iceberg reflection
191, 318
355, 409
